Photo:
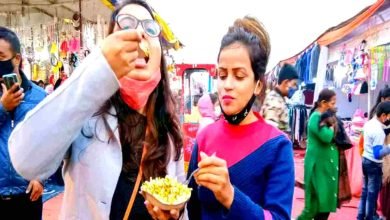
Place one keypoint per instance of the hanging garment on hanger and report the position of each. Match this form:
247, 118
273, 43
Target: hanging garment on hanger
364, 88
357, 88
386, 70
306, 77
315, 55
348, 57
374, 76
360, 75
298, 67
386, 65
329, 76
297, 131
298, 98
309, 96
340, 73
381, 61
64, 49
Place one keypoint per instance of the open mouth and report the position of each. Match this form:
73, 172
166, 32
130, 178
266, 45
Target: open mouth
141, 62
145, 49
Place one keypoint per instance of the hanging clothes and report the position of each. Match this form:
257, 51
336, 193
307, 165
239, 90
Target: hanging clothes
315, 55
374, 76
298, 98
386, 70
364, 88
329, 76
340, 72
386, 67
380, 52
307, 64
298, 116
309, 96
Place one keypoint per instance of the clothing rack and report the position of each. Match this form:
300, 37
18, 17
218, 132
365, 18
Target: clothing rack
298, 117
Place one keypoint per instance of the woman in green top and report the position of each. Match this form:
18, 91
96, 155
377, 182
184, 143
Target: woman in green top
321, 163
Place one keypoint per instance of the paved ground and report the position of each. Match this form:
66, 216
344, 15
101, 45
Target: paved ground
347, 212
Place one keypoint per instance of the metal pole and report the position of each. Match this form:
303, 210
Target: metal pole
81, 25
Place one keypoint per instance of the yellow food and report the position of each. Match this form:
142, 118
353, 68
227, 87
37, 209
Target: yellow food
167, 190
145, 48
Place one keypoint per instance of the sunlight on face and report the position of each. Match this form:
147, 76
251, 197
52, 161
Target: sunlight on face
236, 80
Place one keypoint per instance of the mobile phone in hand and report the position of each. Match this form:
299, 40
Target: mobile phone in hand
10, 80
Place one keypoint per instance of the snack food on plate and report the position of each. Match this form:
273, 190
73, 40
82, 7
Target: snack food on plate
166, 193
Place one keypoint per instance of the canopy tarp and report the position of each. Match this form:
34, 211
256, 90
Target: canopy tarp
348, 26
338, 32
292, 25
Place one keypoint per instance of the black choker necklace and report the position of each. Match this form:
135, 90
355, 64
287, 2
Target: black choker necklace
239, 117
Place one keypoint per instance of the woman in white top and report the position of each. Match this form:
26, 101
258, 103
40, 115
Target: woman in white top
115, 108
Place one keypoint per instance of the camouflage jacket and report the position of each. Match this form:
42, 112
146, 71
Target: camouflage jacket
274, 110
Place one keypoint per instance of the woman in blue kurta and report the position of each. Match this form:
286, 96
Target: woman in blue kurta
246, 168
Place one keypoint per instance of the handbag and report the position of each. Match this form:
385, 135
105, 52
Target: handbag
341, 139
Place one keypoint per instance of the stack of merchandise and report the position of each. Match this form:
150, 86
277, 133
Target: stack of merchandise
357, 123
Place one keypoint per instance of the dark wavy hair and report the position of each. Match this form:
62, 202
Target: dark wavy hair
162, 123
252, 34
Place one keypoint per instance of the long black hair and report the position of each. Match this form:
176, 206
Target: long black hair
161, 122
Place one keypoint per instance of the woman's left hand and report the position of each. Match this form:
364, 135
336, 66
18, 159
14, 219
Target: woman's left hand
214, 175
159, 214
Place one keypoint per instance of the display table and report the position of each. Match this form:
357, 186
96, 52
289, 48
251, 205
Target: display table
354, 162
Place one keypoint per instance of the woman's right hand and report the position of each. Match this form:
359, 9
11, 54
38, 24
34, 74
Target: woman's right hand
121, 51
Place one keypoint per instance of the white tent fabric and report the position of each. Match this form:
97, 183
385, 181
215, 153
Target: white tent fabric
30, 12
292, 25
200, 24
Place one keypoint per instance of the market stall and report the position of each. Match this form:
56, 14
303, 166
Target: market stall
353, 59
358, 68
55, 34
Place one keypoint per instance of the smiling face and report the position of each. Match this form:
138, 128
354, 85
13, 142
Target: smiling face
236, 79
149, 52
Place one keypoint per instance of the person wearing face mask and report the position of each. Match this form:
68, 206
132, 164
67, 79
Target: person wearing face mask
384, 95
274, 108
119, 125
19, 198
321, 166
375, 148
246, 168
206, 106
